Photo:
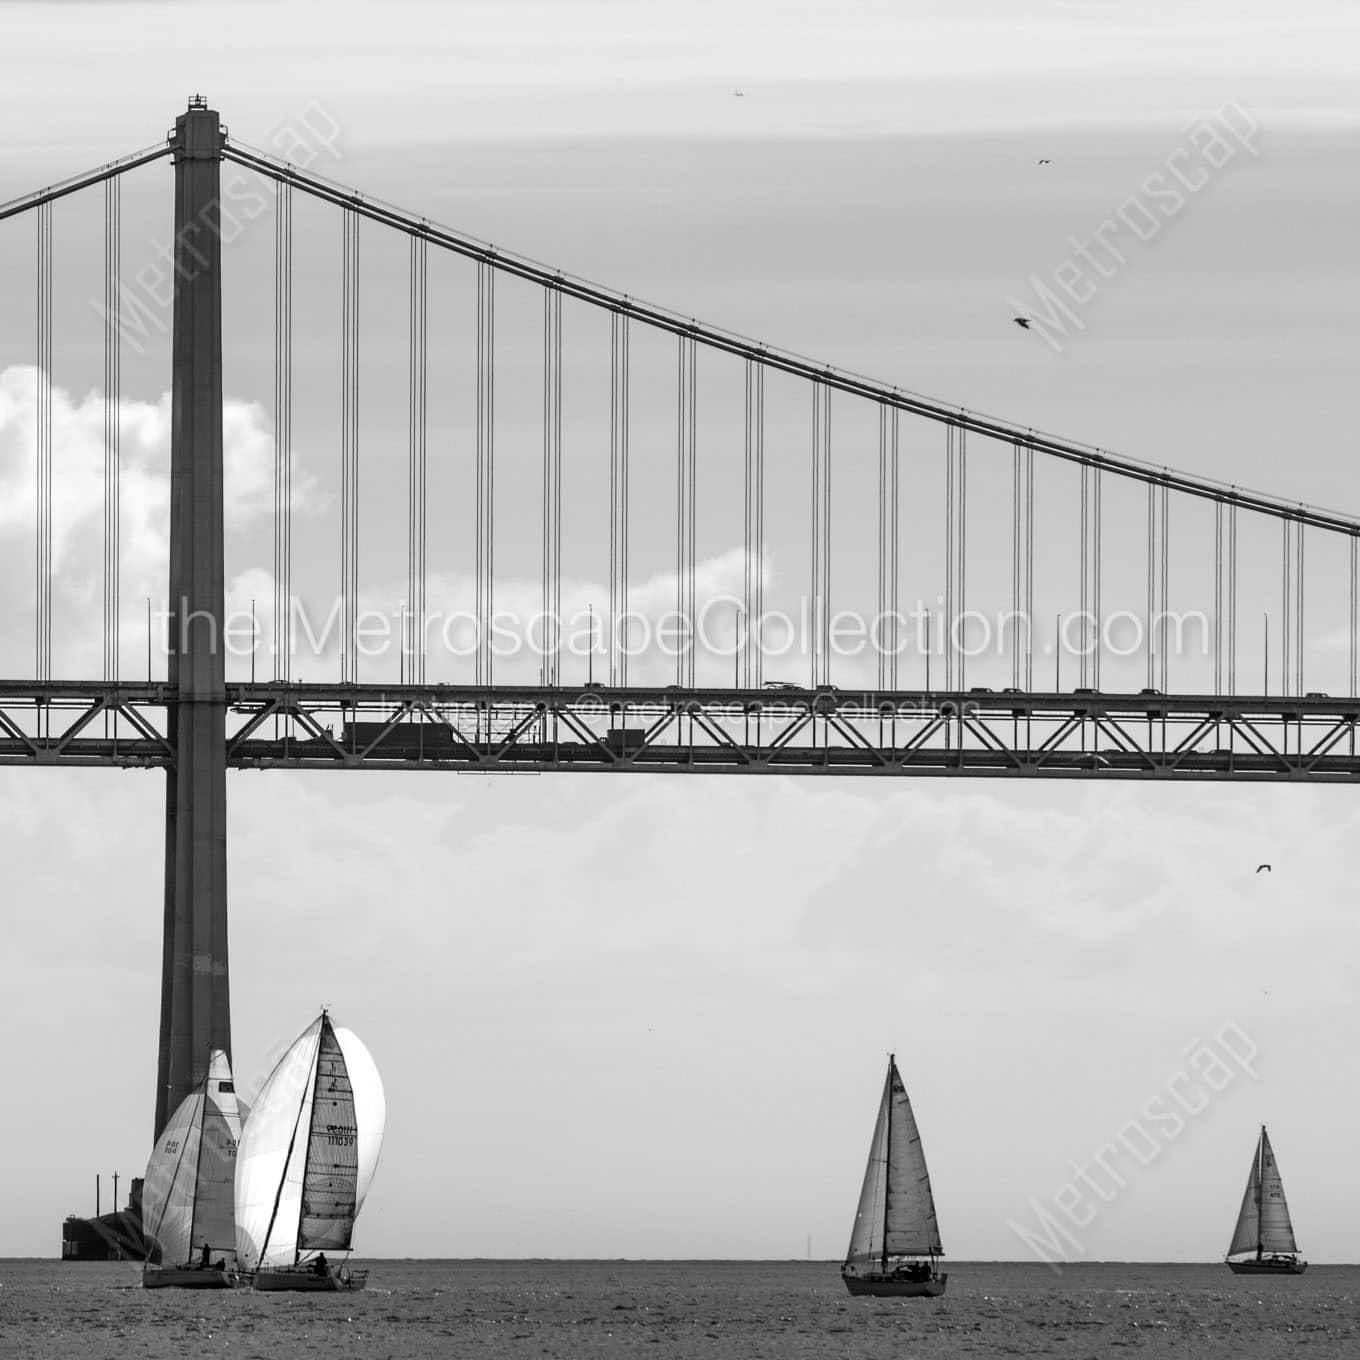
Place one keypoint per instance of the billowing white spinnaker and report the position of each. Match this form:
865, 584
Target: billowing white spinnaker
370, 1110
309, 1149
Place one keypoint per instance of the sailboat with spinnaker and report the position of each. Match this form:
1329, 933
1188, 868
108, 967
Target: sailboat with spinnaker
1263, 1241
895, 1243
307, 1158
187, 1197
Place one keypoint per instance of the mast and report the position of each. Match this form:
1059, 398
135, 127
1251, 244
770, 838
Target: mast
1260, 1187
887, 1158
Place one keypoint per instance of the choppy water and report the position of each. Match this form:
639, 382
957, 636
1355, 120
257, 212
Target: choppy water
663, 1309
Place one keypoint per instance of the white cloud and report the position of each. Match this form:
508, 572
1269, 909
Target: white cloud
78, 510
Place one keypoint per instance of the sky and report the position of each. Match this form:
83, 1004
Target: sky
649, 1017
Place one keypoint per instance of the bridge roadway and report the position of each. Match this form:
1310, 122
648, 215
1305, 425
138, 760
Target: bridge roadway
529, 729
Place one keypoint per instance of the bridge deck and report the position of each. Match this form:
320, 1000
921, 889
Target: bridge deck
473, 729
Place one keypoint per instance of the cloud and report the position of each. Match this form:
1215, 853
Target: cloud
78, 511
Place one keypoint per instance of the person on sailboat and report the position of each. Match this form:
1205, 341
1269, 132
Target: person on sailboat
319, 1265
205, 1262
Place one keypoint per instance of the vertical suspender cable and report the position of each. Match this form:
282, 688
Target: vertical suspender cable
349, 451
956, 554
1219, 611
814, 587
685, 539
418, 411
1016, 559
1029, 566
1151, 584
949, 555
1300, 530
486, 464
113, 257
1353, 582
283, 432
888, 632
1084, 536
962, 638
1166, 587
1286, 601
1232, 599
882, 623
1089, 667
43, 546
618, 498
1096, 563
1022, 564
895, 543
1158, 587
552, 486
753, 535
820, 602
753, 530
755, 624
747, 525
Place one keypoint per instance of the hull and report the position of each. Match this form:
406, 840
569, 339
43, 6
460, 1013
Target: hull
303, 1280
1279, 1265
895, 1287
186, 1277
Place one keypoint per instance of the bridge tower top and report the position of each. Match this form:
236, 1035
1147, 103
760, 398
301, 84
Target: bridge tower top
198, 134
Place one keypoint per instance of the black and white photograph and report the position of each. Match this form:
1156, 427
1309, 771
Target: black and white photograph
677, 678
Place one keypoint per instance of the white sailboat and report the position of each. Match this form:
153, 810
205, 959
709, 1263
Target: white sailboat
187, 1197
307, 1158
1263, 1241
895, 1243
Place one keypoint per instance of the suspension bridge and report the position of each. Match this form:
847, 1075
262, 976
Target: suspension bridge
771, 519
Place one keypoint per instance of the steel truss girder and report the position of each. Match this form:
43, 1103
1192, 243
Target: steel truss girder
528, 729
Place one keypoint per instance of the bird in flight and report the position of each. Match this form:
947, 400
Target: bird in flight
1266, 867
1022, 322
1045, 162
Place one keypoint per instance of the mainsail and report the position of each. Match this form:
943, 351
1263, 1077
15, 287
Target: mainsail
187, 1197
1263, 1223
309, 1149
331, 1177
896, 1213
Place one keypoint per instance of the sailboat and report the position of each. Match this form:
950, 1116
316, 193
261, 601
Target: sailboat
187, 1197
1263, 1241
895, 1243
307, 1158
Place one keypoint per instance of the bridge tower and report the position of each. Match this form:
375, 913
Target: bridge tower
195, 1005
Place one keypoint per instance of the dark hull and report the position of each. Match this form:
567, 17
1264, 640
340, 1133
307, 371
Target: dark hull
186, 1277
309, 1282
894, 1287
1266, 1266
